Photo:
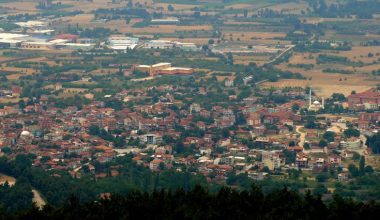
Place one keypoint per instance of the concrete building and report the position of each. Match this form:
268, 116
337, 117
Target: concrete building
187, 46
369, 99
32, 24
37, 46
122, 43
10, 40
76, 46
176, 71
151, 138
164, 21
271, 160
159, 44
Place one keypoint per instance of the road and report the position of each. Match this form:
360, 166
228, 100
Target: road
281, 54
302, 136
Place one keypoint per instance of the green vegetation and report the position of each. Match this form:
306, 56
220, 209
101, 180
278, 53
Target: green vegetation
199, 203
7, 26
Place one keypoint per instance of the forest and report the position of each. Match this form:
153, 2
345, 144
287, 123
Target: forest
198, 203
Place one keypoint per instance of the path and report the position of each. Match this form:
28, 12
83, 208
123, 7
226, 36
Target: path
281, 54
302, 136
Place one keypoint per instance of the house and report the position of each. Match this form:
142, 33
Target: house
151, 138
358, 100
254, 119
335, 160
154, 164
257, 175
195, 107
342, 177
229, 82
301, 162
271, 159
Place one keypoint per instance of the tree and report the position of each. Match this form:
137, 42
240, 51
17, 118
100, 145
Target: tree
295, 107
161, 166
6, 150
354, 171
362, 165
310, 123
351, 132
170, 8
3, 78
94, 130
290, 156
44, 159
374, 143
329, 136
322, 143
294, 173
211, 41
368, 169
319, 190
130, 4
245, 13
338, 97
306, 145
321, 178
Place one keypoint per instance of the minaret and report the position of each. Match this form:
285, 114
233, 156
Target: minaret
323, 102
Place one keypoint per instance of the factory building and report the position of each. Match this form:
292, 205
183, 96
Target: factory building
163, 69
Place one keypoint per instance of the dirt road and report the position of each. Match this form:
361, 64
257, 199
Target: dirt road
302, 136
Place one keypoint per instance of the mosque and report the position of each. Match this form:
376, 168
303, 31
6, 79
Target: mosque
316, 105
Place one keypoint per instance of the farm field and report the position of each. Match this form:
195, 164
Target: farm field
325, 84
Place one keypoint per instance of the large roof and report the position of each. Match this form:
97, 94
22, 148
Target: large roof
8, 36
371, 93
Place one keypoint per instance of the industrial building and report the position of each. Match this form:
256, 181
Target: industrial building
176, 71
32, 24
164, 21
163, 69
159, 44
122, 43
9, 40
187, 46
37, 45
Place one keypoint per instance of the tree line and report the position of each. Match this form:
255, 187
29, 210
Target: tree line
199, 203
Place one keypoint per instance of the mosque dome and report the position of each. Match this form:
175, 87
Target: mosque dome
25, 133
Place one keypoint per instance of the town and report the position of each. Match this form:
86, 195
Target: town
164, 94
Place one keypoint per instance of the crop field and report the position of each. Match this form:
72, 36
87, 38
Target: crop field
249, 36
177, 7
91, 6
245, 60
303, 58
295, 8
360, 53
21, 7
82, 19
355, 39
325, 84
